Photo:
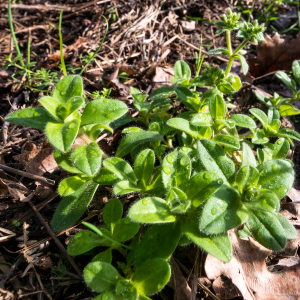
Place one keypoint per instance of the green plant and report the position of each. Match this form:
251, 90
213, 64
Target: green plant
16, 223
284, 105
213, 172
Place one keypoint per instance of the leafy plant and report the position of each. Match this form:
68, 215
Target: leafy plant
196, 175
284, 105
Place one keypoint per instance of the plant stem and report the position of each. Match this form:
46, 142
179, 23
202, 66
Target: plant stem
28, 58
88, 141
62, 61
229, 42
233, 54
93, 56
11, 26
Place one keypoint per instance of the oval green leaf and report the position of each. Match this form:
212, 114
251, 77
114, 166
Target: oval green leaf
151, 210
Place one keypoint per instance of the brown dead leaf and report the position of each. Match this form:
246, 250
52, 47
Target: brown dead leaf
38, 159
276, 54
56, 56
3, 188
225, 289
249, 273
162, 76
178, 283
17, 190
294, 195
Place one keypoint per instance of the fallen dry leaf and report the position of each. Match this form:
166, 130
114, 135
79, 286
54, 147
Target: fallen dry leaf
225, 289
162, 76
276, 54
178, 283
294, 195
249, 273
56, 56
37, 159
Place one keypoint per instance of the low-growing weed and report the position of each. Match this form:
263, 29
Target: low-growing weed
196, 175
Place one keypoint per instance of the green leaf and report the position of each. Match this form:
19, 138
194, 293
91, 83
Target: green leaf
106, 177
72, 207
218, 51
201, 186
151, 210
176, 169
188, 98
244, 64
296, 70
262, 199
105, 256
101, 276
245, 232
162, 92
65, 162
286, 80
159, 241
120, 168
225, 87
273, 114
103, 111
266, 229
54, 107
201, 119
217, 108
84, 241
122, 121
288, 110
67, 88
126, 290
125, 187
289, 133
247, 176
242, 121
214, 159
222, 212
112, 212
35, 117
136, 138
276, 175
124, 230
288, 227
227, 141
87, 158
236, 83
159, 102
182, 70
62, 136
259, 138
210, 94
70, 185
73, 105
219, 246
152, 276
248, 158
260, 115
144, 165
185, 126
137, 95
281, 149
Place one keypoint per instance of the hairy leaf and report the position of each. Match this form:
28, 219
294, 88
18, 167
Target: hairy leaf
35, 117
72, 207
152, 276
62, 136
136, 138
151, 210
